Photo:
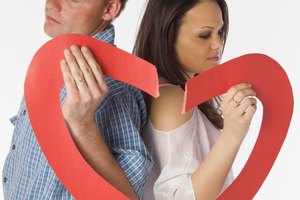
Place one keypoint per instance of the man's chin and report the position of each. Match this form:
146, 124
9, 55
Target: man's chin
50, 32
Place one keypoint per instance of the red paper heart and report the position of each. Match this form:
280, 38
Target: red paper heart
42, 94
274, 91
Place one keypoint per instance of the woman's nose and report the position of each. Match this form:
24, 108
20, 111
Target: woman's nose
217, 42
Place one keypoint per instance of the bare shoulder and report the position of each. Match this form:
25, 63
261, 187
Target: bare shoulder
165, 112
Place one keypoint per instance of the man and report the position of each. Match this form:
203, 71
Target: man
104, 116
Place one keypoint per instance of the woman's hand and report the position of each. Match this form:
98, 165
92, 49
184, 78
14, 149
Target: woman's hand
85, 87
238, 108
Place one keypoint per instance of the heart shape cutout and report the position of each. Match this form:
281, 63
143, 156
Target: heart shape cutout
273, 89
42, 94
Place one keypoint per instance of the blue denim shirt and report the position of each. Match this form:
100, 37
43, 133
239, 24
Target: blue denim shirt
121, 116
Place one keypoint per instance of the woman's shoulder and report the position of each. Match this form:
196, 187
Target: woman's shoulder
165, 113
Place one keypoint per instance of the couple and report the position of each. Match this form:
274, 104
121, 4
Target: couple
166, 156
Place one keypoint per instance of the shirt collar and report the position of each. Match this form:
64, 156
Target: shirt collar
108, 35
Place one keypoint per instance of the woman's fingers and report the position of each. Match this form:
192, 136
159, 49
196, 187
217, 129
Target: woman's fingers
238, 108
238, 100
234, 90
236, 94
241, 94
245, 105
250, 112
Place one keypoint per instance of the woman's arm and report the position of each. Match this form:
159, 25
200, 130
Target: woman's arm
209, 178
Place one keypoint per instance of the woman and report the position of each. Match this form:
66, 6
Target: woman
183, 38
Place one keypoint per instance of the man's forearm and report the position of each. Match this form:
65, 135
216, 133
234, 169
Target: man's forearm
94, 150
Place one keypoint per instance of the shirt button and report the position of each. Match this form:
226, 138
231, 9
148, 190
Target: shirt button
4, 180
24, 112
13, 147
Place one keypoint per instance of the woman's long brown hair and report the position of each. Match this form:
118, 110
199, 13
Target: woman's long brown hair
156, 39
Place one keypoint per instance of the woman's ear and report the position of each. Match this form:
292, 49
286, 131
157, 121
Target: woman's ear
112, 10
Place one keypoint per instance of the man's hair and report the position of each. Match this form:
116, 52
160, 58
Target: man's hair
123, 4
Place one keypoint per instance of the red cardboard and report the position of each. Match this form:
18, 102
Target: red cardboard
273, 89
42, 94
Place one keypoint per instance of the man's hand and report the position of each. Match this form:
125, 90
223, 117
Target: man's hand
85, 86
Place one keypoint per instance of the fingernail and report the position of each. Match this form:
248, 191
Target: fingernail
85, 49
63, 62
74, 48
67, 52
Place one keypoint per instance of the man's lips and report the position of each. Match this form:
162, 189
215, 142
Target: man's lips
51, 19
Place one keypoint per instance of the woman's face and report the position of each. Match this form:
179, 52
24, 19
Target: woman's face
198, 43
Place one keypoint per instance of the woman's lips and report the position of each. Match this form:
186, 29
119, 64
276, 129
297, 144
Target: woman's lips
214, 59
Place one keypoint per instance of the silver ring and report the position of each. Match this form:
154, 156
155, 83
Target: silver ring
236, 102
219, 110
79, 81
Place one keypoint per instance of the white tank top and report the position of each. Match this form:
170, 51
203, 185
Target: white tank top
176, 155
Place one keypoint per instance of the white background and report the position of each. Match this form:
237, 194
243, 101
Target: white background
269, 26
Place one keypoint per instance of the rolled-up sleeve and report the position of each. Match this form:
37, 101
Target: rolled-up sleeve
121, 121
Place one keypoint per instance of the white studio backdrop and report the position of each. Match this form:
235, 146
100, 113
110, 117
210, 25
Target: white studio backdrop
270, 27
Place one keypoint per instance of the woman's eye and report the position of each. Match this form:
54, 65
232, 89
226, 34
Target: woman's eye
206, 36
